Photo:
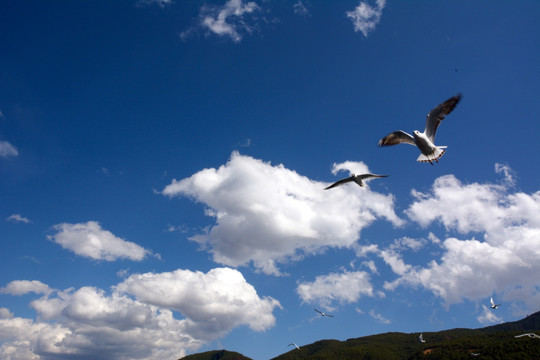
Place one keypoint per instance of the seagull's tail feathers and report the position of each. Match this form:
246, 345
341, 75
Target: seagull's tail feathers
434, 156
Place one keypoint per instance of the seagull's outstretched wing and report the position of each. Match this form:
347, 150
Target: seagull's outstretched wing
397, 137
369, 176
492, 302
341, 182
435, 116
323, 314
356, 178
293, 344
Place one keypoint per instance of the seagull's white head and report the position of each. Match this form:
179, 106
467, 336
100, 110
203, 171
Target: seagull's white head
416, 132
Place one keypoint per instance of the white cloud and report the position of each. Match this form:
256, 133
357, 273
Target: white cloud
230, 20
18, 218
7, 150
365, 17
90, 240
394, 260
346, 287
89, 323
488, 316
371, 266
5, 313
509, 176
22, 287
269, 214
214, 303
379, 317
505, 260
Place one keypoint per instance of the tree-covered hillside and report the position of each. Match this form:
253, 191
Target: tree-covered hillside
492, 342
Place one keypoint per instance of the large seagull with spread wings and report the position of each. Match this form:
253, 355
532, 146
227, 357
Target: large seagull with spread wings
425, 140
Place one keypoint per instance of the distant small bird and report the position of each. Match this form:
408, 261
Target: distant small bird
421, 339
323, 314
531, 335
356, 178
425, 141
293, 344
493, 305
475, 354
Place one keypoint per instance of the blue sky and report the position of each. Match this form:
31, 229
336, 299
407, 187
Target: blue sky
162, 166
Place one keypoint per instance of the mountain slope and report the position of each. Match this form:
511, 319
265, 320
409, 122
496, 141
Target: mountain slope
492, 342
217, 355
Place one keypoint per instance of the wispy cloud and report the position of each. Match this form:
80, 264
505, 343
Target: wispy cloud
488, 316
365, 17
18, 218
301, 9
159, 3
293, 217
76, 323
90, 240
7, 150
231, 20
379, 317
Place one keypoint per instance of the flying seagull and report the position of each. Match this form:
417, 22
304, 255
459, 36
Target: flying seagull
531, 335
493, 305
323, 314
421, 339
425, 140
293, 344
356, 178
475, 354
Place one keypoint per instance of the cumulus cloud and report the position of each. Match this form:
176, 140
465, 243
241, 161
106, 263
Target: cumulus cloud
22, 287
90, 240
365, 17
231, 20
269, 214
346, 287
90, 323
18, 218
504, 259
7, 150
215, 302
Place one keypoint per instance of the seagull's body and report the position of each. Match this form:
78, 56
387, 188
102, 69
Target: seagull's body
356, 178
531, 335
424, 141
293, 344
421, 338
493, 305
323, 314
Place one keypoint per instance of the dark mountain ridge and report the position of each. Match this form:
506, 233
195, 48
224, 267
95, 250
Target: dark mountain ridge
491, 342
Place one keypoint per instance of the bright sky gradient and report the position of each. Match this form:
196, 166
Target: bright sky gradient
162, 166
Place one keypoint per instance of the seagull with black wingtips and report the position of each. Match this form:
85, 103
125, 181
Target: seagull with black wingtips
425, 141
356, 178
493, 305
323, 314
